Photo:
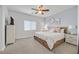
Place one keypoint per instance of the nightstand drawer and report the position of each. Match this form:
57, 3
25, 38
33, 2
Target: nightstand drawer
71, 38
72, 42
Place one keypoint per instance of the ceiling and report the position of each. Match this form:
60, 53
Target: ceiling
54, 9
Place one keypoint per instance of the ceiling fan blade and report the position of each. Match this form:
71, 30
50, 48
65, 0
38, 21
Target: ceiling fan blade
46, 10
42, 13
36, 12
34, 9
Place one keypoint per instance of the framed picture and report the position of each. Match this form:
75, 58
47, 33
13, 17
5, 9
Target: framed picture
53, 21
56, 21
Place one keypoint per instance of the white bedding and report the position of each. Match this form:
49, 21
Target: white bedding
50, 37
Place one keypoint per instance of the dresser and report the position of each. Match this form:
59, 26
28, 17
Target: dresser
10, 34
70, 38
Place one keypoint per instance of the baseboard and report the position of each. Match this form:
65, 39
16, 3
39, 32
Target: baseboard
24, 38
71, 43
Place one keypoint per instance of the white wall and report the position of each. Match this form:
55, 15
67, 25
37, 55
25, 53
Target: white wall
1, 38
78, 31
68, 17
3, 13
19, 23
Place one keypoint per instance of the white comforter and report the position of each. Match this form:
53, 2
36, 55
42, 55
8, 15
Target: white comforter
50, 37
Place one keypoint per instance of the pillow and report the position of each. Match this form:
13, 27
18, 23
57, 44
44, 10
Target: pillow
62, 30
55, 29
52, 30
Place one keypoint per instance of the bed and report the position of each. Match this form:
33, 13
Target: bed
50, 40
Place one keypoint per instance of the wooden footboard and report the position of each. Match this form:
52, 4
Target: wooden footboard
44, 43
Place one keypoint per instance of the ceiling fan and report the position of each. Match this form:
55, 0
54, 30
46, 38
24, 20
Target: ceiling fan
40, 9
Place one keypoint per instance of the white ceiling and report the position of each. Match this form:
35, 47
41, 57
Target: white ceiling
27, 9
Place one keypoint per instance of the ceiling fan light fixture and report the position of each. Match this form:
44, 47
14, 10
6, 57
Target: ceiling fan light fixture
39, 12
40, 9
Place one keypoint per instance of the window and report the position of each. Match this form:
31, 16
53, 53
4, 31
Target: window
29, 25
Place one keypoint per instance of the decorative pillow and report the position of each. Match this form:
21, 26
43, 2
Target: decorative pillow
62, 30
57, 29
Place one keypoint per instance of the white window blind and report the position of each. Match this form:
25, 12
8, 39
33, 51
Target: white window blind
29, 25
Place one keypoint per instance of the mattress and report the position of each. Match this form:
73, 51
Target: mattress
50, 37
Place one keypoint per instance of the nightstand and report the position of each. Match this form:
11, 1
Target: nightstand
71, 38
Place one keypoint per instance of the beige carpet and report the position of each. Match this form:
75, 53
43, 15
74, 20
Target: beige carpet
30, 46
